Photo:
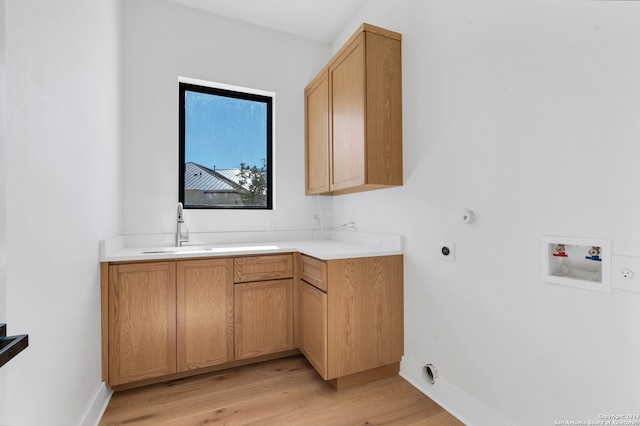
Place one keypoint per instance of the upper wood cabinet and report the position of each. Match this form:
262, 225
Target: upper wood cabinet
353, 116
317, 135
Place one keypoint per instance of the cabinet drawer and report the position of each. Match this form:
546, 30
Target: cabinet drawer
262, 268
314, 272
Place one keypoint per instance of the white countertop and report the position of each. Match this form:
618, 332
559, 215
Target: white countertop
342, 245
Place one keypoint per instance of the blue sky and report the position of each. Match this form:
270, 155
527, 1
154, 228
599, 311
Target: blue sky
224, 132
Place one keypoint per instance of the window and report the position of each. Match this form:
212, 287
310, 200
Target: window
225, 147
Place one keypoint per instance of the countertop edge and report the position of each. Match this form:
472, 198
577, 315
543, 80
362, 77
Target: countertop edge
343, 247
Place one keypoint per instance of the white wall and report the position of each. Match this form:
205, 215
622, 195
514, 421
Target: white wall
65, 163
527, 113
3, 184
62, 159
164, 41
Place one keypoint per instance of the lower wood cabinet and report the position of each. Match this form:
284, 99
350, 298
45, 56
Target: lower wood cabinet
169, 319
312, 324
356, 324
205, 313
142, 321
263, 304
263, 318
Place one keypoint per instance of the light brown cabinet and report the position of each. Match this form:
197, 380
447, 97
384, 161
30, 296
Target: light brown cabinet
168, 317
141, 317
317, 135
354, 327
264, 318
312, 322
263, 305
353, 116
205, 313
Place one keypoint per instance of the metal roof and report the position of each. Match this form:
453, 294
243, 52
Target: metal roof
200, 178
231, 174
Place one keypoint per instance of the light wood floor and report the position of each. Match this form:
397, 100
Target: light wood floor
282, 392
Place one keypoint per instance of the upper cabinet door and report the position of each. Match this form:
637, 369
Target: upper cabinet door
347, 88
353, 117
317, 153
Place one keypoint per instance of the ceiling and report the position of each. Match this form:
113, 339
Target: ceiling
320, 20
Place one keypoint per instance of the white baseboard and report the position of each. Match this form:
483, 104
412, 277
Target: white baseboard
97, 406
466, 409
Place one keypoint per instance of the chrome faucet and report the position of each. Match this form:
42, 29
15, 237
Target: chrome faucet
179, 237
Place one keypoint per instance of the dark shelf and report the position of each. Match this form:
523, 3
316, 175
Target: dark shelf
11, 346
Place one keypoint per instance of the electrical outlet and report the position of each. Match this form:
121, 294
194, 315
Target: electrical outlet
625, 271
315, 222
447, 251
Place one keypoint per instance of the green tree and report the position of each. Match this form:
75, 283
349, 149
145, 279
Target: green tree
254, 180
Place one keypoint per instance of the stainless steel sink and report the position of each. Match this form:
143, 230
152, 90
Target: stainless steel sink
183, 249
208, 249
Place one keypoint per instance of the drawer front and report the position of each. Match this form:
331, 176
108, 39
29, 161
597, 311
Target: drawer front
314, 272
262, 268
